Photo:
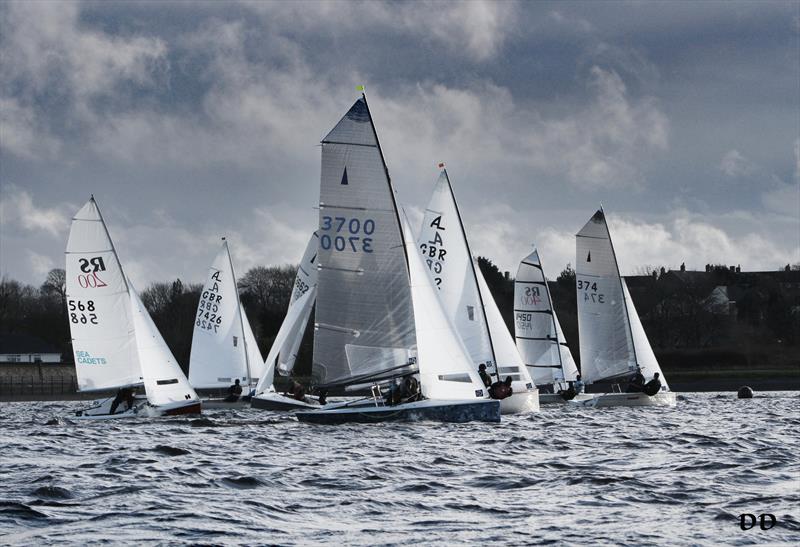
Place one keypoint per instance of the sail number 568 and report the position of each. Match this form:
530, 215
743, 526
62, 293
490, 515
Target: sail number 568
353, 232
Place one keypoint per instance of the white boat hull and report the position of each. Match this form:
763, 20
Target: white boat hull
101, 410
521, 402
477, 410
663, 398
277, 401
556, 399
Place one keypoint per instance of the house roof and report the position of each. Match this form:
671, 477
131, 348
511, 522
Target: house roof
25, 343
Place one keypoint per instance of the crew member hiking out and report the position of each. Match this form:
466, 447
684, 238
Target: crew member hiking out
501, 389
653, 386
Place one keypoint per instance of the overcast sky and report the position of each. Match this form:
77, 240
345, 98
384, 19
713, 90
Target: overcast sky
190, 121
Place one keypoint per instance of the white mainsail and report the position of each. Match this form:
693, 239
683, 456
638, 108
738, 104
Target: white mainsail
364, 321
164, 381
463, 292
116, 343
606, 339
539, 337
98, 306
445, 249
219, 354
645, 357
445, 367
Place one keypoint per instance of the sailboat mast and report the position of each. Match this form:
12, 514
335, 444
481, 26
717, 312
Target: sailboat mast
113, 249
474, 275
621, 288
241, 319
553, 319
391, 187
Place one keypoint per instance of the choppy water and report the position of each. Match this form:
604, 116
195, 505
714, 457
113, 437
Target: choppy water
571, 475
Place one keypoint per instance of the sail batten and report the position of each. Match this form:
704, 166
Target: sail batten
221, 350
537, 330
606, 315
371, 319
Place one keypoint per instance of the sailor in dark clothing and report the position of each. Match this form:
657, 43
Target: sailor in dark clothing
393, 394
410, 390
653, 386
636, 385
501, 390
323, 396
298, 391
234, 392
487, 380
124, 395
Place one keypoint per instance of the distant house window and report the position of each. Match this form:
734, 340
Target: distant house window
37, 358
471, 313
14, 359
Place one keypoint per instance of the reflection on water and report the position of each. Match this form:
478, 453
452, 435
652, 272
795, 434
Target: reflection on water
599, 476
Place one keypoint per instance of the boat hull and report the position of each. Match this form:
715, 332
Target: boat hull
195, 407
663, 398
521, 402
222, 403
279, 402
482, 410
101, 410
556, 399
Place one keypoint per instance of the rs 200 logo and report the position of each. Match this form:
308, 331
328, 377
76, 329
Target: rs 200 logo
94, 264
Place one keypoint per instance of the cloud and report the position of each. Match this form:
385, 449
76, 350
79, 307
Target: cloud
476, 29
734, 164
17, 209
40, 264
682, 238
50, 58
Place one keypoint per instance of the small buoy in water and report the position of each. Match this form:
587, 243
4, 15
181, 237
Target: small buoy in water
745, 392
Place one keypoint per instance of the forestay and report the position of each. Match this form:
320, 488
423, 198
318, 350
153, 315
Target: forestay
538, 334
364, 305
164, 380
218, 355
305, 281
606, 341
644, 352
445, 249
445, 367
98, 306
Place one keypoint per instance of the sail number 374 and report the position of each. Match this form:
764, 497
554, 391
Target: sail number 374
590, 293
354, 234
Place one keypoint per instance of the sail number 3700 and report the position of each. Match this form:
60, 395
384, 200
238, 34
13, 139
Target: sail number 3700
354, 234
590, 293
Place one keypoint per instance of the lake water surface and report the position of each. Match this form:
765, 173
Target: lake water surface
566, 475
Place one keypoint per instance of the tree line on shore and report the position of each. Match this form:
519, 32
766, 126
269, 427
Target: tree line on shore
722, 310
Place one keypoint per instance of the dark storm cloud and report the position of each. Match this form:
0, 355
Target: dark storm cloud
192, 121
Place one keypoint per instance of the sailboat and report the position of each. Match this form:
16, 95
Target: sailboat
538, 333
115, 343
467, 300
224, 348
613, 343
378, 319
283, 353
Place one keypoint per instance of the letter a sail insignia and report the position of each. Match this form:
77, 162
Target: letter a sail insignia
589, 257
344, 176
